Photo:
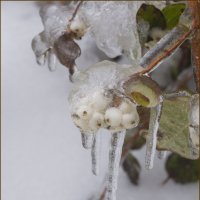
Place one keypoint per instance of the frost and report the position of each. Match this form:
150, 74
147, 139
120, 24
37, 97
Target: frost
117, 141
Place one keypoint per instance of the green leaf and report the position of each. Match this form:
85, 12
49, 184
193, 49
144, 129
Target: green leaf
152, 15
132, 167
182, 170
172, 14
174, 130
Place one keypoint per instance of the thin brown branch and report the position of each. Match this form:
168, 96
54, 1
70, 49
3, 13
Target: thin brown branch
195, 41
75, 12
167, 52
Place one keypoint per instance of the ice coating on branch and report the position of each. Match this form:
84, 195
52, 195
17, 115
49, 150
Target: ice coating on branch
117, 140
151, 139
113, 26
194, 124
93, 99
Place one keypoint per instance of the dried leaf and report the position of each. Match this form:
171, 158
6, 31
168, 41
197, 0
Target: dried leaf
67, 51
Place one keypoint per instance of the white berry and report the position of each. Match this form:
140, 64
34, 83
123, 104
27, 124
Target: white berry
113, 117
84, 112
80, 123
126, 107
130, 120
96, 121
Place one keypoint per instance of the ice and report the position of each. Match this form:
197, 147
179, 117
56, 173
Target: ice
95, 154
55, 19
113, 26
87, 140
161, 154
194, 125
52, 60
105, 75
152, 136
117, 140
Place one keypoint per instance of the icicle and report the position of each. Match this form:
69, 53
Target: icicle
152, 136
51, 60
87, 140
95, 154
161, 154
41, 60
114, 161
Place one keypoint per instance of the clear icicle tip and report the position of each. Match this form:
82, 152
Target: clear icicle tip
87, 140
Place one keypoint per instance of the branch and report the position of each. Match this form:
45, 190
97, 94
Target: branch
167, 45
75, 12
195, 41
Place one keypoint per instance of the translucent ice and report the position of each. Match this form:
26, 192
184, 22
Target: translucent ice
161, 154
152, 136
93, 97
87, 140
95, 154
113, 25
117, 140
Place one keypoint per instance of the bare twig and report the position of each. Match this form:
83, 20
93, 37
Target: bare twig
75, 12
167, 45
195, 41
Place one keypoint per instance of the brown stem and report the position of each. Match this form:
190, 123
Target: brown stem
75, 12
166, 53
195, 41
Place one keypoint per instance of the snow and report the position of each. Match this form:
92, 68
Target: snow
42, 157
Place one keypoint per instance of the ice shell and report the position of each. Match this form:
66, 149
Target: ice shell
113, 26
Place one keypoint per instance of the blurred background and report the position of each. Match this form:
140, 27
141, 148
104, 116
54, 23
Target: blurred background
42, 156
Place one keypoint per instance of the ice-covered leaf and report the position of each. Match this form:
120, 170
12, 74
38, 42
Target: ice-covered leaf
182, 170
178, 131
132, 167
172, 14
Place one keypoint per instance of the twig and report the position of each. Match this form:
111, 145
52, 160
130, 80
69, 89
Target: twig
167, 45
75, 12
195, 41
